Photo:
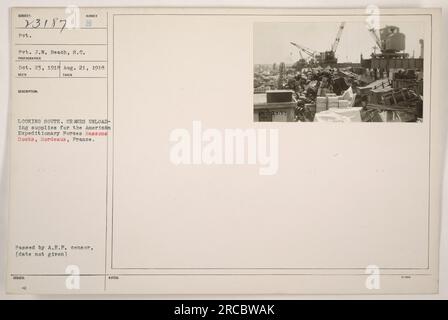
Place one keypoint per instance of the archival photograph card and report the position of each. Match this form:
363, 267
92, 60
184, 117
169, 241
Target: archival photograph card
224, 151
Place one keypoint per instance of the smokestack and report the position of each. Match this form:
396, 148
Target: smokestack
421, 48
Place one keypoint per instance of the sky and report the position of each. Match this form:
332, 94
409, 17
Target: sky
272, 40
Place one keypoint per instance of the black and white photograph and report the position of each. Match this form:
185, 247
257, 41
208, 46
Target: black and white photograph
341, 71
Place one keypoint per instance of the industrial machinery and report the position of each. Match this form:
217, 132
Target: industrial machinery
302, 63
329, 57
326, 58
390, 41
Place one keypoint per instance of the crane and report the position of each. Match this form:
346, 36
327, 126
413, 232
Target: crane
334, 47
390, 42
302, 63
309, 52
325, 58
373, 32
